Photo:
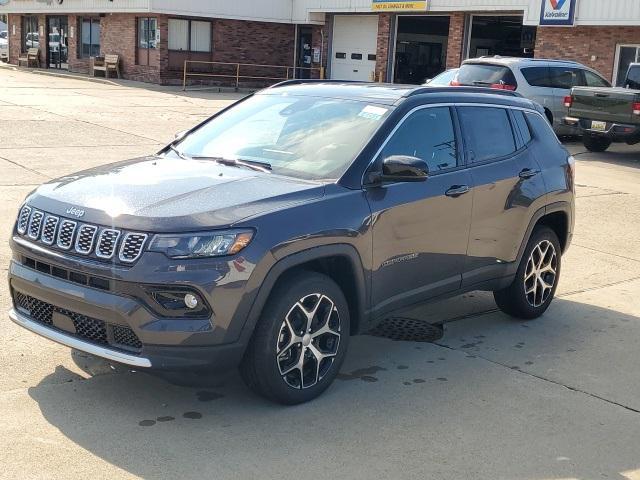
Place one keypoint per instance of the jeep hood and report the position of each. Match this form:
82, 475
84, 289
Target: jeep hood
163, 194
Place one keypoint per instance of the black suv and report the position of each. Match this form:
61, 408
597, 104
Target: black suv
303, 214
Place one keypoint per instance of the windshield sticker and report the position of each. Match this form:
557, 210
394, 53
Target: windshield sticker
372, 112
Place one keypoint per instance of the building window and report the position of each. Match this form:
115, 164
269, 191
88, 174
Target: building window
30, 34
189, 35
147, 40
626, 55
89, 37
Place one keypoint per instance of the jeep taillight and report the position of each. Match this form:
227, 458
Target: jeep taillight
636, 108
568, 101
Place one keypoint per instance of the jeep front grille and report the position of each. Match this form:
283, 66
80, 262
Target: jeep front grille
49, 229
84, 240
23, 219
65, 235
94, 241
132, 247
107, 243
35, 224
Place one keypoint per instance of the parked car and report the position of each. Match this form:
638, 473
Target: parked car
4, 45
607, 115
303, 214
444, 79
547, 82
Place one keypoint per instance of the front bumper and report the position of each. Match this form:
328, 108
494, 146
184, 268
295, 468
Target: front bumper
75, 342
159, 343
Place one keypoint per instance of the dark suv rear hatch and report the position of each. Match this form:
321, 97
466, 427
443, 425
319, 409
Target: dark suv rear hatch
485, 75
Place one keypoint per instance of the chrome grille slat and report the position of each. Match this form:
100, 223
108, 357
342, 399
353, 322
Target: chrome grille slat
85, 238
90, 240
23, 219
49, 229
35, 224
107, 242
65, 234
131, 248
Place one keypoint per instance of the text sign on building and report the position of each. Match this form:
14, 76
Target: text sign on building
557, 12
398, 6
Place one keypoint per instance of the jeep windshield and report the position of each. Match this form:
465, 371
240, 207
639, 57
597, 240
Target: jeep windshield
314, 138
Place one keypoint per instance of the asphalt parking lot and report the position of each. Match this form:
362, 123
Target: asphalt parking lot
555, 398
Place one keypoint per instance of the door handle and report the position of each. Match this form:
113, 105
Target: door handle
528, 173
457, 190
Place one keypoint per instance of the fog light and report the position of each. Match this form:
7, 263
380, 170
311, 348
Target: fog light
191, 301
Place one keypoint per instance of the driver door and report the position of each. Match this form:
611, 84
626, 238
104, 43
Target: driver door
420, 230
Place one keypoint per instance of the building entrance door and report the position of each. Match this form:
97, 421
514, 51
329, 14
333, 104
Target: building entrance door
57, 42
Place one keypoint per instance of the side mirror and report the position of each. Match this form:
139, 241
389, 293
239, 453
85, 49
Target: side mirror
180, 135
402, 168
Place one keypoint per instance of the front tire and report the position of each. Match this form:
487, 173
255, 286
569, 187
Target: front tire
300, 340
536, 280
596, 144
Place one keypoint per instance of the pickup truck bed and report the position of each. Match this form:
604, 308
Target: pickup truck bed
604, 115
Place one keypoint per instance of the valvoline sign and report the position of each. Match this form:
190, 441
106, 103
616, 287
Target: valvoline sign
557, 12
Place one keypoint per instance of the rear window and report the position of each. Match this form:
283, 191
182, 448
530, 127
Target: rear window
485, 75
633, 78
488, 132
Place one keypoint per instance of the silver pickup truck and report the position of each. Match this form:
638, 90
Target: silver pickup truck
607, 115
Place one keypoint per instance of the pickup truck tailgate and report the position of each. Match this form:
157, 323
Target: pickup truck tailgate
606, 104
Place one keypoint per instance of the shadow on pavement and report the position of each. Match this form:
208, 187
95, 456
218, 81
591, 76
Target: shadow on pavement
417, 408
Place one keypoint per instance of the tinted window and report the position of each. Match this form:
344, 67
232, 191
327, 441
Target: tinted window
593, 80
537, 76
488, 132
485, 75
427, 134
565, 78
523, 127
633, 78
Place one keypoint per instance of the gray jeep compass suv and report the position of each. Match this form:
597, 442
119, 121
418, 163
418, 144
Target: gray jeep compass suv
300, 215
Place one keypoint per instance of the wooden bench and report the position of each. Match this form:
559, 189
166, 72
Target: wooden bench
32, 56
111, 63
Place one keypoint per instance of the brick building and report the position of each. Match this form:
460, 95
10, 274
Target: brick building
349, 39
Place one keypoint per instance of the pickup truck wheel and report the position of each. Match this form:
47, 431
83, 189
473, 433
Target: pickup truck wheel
536, 279
300, 340
596, 144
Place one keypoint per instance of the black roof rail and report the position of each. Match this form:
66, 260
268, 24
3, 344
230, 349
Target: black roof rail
462, 89
302, 81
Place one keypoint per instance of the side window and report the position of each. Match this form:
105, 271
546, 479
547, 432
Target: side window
488, 132
537, 76
565, 78
593, 80
427, 134
633, 78
523, 126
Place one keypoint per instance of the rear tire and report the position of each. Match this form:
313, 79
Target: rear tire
300, 340
596, 144
536, 280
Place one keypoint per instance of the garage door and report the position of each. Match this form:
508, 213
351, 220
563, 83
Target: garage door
354, 47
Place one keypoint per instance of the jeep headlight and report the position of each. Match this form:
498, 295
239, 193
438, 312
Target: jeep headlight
201, 245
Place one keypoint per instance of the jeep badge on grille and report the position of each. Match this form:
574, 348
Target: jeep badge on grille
76, 212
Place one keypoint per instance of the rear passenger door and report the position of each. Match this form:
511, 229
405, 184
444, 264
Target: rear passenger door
506, 180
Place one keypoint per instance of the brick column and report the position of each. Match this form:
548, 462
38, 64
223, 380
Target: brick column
382, 50
15, 41
456, 37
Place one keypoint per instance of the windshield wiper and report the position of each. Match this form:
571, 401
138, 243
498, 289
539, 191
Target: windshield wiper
252, 164
173, 148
